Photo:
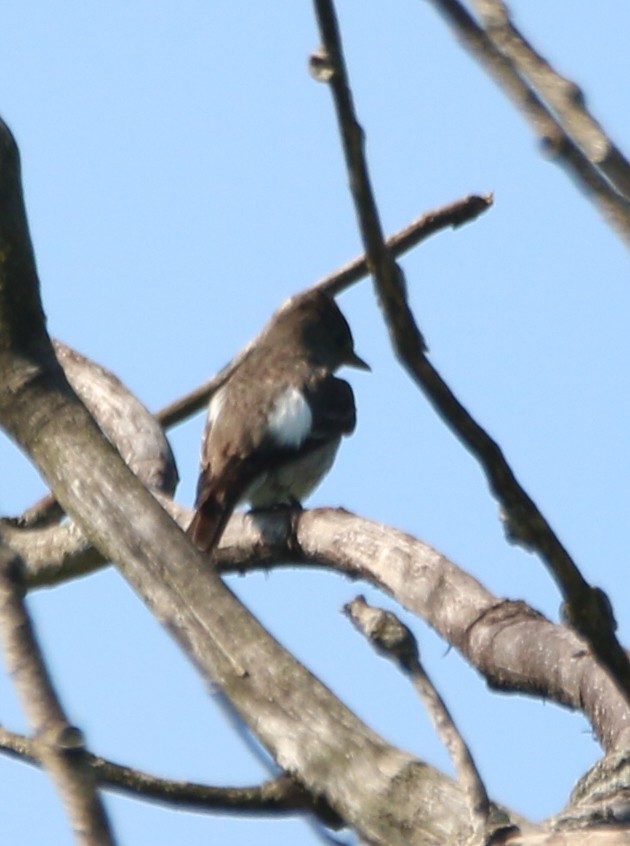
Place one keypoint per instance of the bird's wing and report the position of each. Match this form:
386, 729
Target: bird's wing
228, 463
235, 455
332, 404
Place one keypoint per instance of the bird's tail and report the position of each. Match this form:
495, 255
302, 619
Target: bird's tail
208, 524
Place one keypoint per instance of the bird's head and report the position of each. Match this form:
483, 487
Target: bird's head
323, 331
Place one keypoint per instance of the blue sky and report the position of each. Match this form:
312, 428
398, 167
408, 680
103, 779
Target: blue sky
183, 175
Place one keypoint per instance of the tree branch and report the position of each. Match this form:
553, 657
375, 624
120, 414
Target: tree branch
555, 140
513, 646
59, 745
452, 215
128, 424
280, 796
395, 641
55, 554
565, 98
588, 609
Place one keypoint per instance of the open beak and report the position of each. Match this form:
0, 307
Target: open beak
353, 360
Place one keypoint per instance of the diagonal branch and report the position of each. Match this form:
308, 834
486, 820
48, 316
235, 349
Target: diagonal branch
564, 97
452, 215
128, 424
514, 647
523, 93
379, 790
587, 608
47, 511
58, 744
395, 641
55, 554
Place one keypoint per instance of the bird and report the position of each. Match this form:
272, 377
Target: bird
274, 426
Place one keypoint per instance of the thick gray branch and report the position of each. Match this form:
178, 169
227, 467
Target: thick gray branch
128, 424
515, 648
55, 554
381, 791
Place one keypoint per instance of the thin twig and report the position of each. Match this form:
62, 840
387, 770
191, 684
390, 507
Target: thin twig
555, 140
564, 97
587, 607
46, 511
59, 745
278, 796
452, 215
395, 641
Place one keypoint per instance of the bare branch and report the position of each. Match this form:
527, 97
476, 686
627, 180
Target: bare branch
395, 641
588, 608
41, 514
55, 554
129, 425
452, 215
600, 797
563, 96
545, 124
279, 796
60, 745
52, 554
513, 646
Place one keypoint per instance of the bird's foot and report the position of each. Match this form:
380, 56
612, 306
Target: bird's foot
291, 503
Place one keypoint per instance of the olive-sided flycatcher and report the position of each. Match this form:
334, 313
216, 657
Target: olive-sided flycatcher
275, 425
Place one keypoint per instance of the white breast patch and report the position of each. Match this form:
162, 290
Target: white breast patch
290, 420
216, 404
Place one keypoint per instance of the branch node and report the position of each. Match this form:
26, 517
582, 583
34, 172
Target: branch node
13, 571
63, 738
321, 66
385, 632
592, 613
519, 526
